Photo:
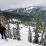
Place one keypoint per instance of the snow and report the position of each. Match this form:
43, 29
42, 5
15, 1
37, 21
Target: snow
12, 42
31, 7
43, 8
28, 11
24, 38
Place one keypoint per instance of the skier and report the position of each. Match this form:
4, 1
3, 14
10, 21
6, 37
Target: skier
2, 31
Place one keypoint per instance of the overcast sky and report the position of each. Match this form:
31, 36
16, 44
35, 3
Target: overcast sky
5, 4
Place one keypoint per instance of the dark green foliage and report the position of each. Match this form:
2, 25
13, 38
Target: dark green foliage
37, 29
29, 35
9, 15
36, 40
18, 32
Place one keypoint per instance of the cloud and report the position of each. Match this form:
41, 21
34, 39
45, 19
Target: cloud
4, 4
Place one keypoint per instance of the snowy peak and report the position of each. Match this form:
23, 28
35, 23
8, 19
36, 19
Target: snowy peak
31, 7
21, 9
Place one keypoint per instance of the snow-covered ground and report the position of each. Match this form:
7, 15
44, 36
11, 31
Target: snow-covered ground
24, 32
24, 38
12, 42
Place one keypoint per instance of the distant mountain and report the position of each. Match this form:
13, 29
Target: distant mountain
29, 11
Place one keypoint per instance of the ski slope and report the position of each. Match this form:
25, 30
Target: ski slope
22, 42
12, 42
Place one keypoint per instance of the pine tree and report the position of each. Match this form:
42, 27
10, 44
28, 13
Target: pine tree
38, 28
44, 42
9, 31
29, 35
42, 33
14, 33
18, 32
44, 36
36, 40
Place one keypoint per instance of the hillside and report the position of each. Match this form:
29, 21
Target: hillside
9, 15
29, 11
22, 42
15, 43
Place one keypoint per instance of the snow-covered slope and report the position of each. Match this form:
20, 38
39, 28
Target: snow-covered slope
24, 38
16, 43
24, 31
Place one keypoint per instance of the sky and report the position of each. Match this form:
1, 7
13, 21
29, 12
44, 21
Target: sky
6, 4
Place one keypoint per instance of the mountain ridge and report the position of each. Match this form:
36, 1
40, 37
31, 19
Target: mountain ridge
29, 11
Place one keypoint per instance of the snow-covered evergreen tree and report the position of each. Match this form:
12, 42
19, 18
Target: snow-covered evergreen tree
42, 33
29, 35
44, 36
18, 32
36, 37
14, 33
9, 31
37, 29
44, 41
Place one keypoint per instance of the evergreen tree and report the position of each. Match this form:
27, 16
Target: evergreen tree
14, 33
44, 36
44, 41
9, 32
37, 29
36, 40
42, 33
18, 32
29, 35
